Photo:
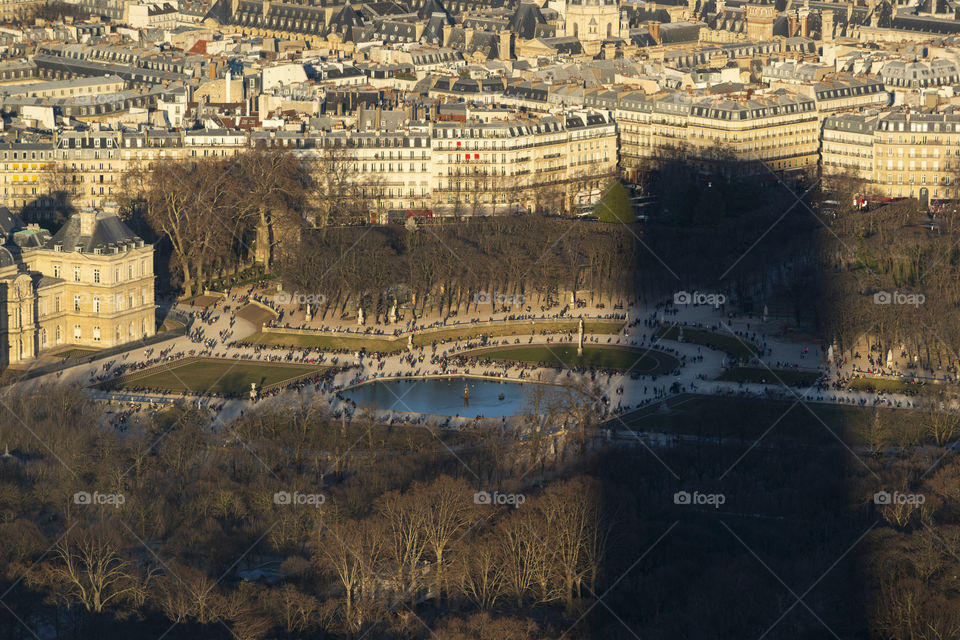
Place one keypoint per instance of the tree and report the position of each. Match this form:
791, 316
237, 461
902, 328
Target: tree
274, 190
615, 205
91, 569
351, 551
448, 511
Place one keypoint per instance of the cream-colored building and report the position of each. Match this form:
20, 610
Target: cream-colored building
748, 134
914, 155
847, 147
551, 163
89, 285
592, 22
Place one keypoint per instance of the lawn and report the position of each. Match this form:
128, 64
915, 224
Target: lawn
169, 324
791, 377
521, 327
76, 353
351, 343
203, 301
382, 344
228, 377
734, 345
565, 355
887, 385
739, 418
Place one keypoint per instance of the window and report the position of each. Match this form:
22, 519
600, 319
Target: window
76, 303
96, 276
76, 332
58, 338
96, 334
76, 274
96, 305
56, 271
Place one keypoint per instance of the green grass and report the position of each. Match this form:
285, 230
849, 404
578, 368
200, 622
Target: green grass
565, 355
171, 325
741, 418
380, 344
734, 345
769, 376
371, 344
232, 377
887, 385
76, 353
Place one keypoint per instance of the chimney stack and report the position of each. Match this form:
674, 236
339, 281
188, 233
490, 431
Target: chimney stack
88, 221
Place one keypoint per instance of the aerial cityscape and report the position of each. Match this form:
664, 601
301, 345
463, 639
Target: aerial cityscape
479, 319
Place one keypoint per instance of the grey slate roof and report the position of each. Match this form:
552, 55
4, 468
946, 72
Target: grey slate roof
525, 20
9, 222
107, 230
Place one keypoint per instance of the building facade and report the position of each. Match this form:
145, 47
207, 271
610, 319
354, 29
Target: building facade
896, 155
89, 285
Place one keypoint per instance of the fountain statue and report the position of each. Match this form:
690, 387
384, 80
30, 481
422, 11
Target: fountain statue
580, 338
466, 392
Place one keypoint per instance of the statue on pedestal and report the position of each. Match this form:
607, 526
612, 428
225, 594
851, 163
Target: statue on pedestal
410, 342
360, 318
580, 338
393, 312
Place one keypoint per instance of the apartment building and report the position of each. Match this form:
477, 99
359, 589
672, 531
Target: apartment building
389, 170
914, 155
741, 132
847, 147
548, 163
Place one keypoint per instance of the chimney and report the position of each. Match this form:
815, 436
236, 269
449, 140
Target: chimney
212, 69
227, 100
654, 29
467, 37
447, 30
827, 26
506, 45
88, 221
